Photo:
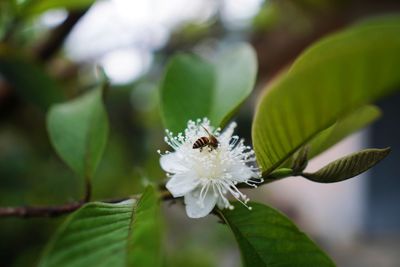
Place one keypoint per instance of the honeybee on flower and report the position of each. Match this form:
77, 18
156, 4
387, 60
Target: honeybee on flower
204, 177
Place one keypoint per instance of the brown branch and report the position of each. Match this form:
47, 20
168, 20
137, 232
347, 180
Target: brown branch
59, 210
50, 46
44, 211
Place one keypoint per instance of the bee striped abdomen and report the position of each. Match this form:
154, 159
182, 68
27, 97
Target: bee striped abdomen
201, 142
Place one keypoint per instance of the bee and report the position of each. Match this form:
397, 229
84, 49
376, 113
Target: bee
210, 141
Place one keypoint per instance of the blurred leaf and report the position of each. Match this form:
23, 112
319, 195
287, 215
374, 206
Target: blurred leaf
379, 20
344, 127
78, 130
29, 79
38, 7
185, 257
330, 80
236, 72
268, 238
186, 91
193, 88
101, 234
145, 243
348, 166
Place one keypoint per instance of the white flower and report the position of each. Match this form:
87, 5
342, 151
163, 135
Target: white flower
205, 176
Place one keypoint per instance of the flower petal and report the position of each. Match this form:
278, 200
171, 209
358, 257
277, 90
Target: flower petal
171, 163
181, 184
194, 209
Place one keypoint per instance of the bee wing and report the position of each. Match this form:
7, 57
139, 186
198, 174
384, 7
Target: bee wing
206, 130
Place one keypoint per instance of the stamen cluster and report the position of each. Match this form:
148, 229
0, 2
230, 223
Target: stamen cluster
205, 177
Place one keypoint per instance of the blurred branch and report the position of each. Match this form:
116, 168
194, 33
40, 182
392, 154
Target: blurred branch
49, 47
46, 211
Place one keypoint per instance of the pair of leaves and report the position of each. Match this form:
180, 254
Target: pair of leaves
268, 238
78, 130
100, 234
193, 88
328, 82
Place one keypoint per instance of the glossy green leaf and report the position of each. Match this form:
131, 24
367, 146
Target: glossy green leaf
78, 130
344, 127
348, 166
236, 70
38, 7
29, 79
193, 88
268, 238
101, 234
334, 77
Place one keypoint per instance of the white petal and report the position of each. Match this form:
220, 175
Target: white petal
172, 163
194, 209
180, 184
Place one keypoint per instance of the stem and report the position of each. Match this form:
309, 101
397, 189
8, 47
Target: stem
88, 190
56, 211
45, 211
48, 48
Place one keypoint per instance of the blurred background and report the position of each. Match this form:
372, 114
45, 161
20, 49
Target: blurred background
49, 51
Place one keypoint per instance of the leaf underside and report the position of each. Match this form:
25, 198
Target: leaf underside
330, 80
348, 166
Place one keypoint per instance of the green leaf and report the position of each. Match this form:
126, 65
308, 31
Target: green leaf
330, 80
344, 127
193, 88
236, 71
186, 91
145, 243
38, 7
348, 166
101, 234
78, 130
379, 20
300, 161
29, 79
268, 238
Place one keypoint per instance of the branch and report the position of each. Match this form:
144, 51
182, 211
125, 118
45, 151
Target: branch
45, 211
88, 190
47, 49
56, 211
